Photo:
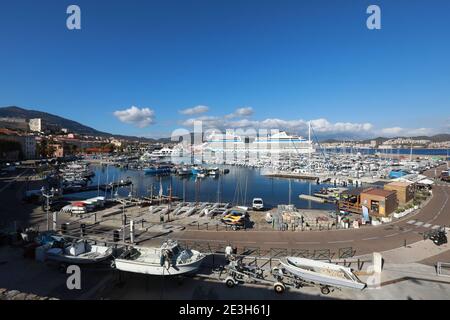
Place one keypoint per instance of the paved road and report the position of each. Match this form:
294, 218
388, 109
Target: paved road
364, 240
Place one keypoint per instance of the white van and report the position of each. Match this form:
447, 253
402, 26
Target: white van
258, 204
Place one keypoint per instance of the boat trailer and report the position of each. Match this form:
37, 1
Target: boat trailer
278, 277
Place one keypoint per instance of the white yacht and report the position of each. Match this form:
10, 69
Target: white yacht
157, 154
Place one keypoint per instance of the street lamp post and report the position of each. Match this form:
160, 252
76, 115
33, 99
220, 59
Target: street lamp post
48, 196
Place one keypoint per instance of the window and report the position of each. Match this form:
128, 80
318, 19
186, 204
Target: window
374, 206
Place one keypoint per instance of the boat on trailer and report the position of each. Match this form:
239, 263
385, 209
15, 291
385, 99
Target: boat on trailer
77, 252
322, 273
169, 259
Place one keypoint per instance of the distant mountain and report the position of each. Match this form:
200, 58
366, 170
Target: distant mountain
78, 128
60, 122
440, 137
72, 126
435, 138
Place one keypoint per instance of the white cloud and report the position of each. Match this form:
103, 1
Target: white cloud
407, 132
244, 112
299, 126
138, 117
323, 125
240, 113
207, 121
195, 110
241, 118
392, 131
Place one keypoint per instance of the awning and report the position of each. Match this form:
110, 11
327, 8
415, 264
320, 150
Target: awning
426, 181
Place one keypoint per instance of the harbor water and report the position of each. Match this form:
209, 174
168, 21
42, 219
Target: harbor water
238, 187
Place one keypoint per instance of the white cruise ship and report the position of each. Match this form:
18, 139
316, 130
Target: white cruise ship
279, 142
224, 142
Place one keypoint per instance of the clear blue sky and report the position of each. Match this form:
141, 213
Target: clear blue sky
288, 60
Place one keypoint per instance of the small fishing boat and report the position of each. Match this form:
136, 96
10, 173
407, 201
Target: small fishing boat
322, 273
184, 171
169, 259
213, 171
77, 252
157, 170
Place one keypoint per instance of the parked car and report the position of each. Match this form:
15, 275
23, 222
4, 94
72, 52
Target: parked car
438, 237
258, 204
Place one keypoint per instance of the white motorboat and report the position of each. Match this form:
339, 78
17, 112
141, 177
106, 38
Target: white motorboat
322, 273
77, 252
169, 259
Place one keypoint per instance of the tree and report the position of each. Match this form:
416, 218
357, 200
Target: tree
45, 148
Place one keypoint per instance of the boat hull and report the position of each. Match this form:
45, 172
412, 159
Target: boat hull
156, 269
75, 260
320, 278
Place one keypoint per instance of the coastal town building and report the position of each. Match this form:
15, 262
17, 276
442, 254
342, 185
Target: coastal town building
27, 143
404, 190
36, 125
14, 123
379, 202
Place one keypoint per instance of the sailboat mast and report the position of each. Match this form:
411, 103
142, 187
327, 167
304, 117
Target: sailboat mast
410, 152
310, 146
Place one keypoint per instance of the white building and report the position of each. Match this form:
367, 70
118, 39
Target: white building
35, 125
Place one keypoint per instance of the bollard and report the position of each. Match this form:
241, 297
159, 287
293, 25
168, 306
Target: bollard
55, 221
116, 236
404, 244
132, 231
63, 228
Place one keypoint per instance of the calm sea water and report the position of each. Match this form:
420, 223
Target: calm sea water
415, 152
239, 186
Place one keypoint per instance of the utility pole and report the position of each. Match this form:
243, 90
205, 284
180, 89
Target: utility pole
410, 152
48, 196
123, 222
170, 200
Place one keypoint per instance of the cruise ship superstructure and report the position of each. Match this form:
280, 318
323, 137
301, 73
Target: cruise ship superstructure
279, 142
